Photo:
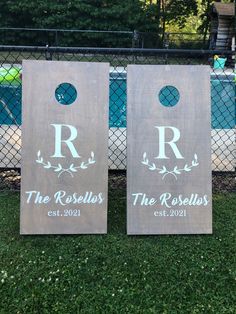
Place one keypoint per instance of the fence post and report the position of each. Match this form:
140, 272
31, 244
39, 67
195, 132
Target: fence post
48, 54
166, 45
135, 39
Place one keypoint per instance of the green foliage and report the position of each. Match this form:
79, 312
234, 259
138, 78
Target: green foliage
105, 15
178, 11
116, 273
152, 16
204, 15
77, 14
144, 16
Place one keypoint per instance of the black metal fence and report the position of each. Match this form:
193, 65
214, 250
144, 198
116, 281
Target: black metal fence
98, 38
67, 37
222, 95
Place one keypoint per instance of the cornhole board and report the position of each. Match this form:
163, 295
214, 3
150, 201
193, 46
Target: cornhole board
64, 148
169, 150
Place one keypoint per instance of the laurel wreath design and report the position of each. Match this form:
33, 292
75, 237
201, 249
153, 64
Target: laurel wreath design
164, 171
71, 169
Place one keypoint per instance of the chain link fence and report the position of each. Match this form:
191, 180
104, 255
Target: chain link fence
222, 99
97, 38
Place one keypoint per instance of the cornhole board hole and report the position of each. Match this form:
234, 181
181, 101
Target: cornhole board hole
64, 147
169, 150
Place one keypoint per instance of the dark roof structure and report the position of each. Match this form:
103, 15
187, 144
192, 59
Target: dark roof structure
224, 9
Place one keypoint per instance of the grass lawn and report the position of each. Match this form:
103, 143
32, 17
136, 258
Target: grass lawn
116, 273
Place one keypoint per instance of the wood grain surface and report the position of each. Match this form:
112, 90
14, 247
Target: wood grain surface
64, 195
168, 195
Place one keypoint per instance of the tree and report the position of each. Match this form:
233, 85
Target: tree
80, 14
177, 11
153, 16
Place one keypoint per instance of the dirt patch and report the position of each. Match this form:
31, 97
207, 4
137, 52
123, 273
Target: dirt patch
221, 182
10, 180
224, 182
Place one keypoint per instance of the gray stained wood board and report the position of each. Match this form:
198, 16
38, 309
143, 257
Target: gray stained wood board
64, 148
168, 150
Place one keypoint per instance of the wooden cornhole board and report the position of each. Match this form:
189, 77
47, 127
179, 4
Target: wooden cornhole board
169, 151
65, 149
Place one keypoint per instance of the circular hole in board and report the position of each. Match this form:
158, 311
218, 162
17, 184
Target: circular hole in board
169, 96
65, 94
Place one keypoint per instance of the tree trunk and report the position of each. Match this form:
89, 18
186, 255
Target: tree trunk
163, 20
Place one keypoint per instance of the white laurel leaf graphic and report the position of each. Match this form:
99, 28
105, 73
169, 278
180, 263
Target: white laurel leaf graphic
72, 168
48, 165
164, 171
59, 167
61, 170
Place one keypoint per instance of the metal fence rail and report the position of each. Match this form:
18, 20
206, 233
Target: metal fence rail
67, 37
222, 96
99, 38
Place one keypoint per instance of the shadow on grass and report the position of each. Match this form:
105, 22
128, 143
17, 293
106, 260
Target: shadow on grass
117, 211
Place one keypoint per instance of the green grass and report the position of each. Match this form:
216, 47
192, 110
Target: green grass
116, 273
